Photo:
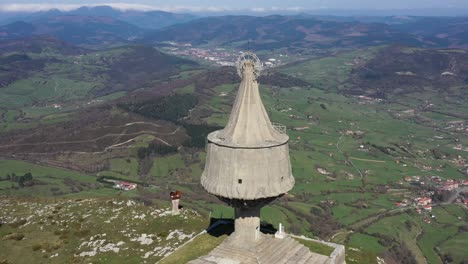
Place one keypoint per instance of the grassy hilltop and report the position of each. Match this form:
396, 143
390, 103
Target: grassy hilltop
91, 230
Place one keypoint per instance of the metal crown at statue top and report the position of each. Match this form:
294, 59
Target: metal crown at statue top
251, 58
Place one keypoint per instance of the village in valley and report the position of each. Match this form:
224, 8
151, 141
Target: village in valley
429, 191
218, 56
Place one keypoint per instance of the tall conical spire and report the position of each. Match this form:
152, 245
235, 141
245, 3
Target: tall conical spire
249, 124
249, 158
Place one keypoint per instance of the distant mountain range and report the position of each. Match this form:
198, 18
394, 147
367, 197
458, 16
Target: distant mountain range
145, 20
305, 31
274, 32
39, 44
449, 32
81, 30
97, 27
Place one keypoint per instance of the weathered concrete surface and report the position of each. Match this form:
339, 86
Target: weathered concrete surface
268, 250
247, 174
249, 124
249, 158
246, 226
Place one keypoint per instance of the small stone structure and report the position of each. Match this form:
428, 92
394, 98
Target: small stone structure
175, 197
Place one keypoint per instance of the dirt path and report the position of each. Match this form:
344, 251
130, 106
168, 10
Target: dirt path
348, 159
142, 122
96, 139
369, 160
341, 232
55, 86
129, 124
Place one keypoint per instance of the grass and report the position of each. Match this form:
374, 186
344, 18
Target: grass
396, 227
200, 246
163, 166
189, 89
455, 247
366, 242
432, 236
315, 247
275, 215
348, 215
355, 256
222, 211
56, 231
57, 89
127, 167
11, 115
444, 216
329, 71
50, 178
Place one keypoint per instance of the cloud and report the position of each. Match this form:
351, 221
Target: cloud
138, 7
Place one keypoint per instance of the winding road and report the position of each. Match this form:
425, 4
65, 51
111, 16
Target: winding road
114, 146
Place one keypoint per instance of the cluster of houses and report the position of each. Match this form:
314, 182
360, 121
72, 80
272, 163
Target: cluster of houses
457, 125
423, 206
462, 200
220, 56
272, 62
125, 186
439, 183
368, 100
421, 203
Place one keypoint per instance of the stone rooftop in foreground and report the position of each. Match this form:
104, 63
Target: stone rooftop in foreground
270, 250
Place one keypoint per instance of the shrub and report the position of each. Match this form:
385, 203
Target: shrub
18, 223
14, 236
36, 247
82, 233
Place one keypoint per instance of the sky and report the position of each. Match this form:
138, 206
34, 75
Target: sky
229, 5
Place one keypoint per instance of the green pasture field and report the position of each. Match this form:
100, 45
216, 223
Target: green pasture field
127, 167
455, 247
329, 71
45, 89
396, 227
163, 166
366, 242
48, 178
189, 89
431, 237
